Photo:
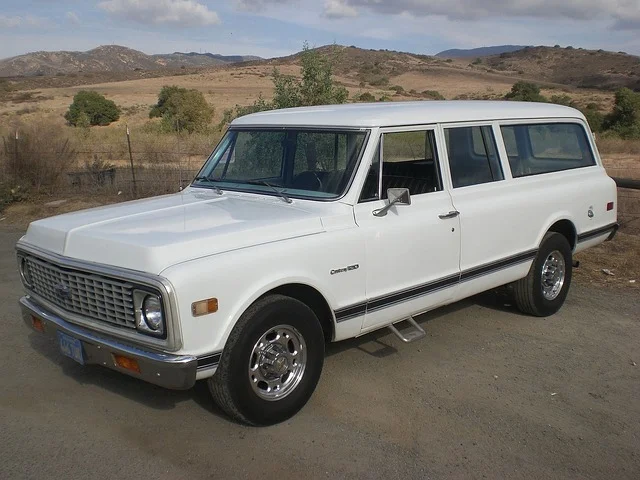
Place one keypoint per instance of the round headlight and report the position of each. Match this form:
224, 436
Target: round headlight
24, 272
152, 312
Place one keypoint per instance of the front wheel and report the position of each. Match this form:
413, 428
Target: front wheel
543, 291
271, 363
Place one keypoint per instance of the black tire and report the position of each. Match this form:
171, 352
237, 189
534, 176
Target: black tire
231, 386
528, 292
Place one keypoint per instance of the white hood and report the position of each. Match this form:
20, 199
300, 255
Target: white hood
152, 234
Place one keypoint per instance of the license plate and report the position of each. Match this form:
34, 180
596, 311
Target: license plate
71, 347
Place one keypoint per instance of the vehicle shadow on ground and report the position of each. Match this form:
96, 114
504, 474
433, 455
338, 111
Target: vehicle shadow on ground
376, 344
121, 384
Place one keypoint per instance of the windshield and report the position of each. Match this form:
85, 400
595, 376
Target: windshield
297, 162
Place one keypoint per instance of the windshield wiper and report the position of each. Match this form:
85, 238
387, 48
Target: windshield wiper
266, 184
217, 189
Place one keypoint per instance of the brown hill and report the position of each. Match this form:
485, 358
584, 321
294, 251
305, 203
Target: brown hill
357, 68
349, 60
108, 59
546, 65
570, 66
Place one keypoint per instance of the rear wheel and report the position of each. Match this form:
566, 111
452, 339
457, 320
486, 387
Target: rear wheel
543, 291
271, 363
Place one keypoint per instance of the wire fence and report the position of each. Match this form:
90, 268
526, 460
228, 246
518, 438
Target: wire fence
124, 168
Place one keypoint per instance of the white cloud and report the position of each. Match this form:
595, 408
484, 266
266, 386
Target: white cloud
338, 9
626, 13
72, 17
259, 5
182, 13
21, 21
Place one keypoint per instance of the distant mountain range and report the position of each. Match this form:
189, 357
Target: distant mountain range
479, 52
112, 58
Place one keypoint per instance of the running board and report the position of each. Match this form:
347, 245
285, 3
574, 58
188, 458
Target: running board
416, 332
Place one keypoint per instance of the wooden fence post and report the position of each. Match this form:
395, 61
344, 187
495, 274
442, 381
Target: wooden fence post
133, 171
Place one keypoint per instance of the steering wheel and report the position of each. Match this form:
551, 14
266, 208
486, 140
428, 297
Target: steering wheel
320, 185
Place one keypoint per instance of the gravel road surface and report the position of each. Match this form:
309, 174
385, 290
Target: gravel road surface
488, 394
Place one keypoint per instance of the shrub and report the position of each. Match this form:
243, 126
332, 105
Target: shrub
594, 117
366, 97
96, 107
378, 81
39, 157
624, 120
182, 109
397, 88
562, 100
160, 108
477, 61
433, 95
259, 105
525, 92
9, 195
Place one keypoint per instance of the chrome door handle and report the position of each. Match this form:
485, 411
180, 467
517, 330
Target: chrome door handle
451, 214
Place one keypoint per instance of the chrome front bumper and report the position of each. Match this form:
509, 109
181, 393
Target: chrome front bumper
176, 372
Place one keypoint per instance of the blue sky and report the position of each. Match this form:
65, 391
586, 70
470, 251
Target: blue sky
279, 27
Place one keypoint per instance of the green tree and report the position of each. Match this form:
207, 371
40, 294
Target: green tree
182, 109
625, 117
160, 108
525, 92
316, 87
286, 91
95, 107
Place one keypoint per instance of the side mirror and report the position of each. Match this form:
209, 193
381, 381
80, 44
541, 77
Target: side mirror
396, 196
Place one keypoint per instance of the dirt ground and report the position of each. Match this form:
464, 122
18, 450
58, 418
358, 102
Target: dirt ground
488, 394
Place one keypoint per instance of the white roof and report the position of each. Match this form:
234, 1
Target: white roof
388, 114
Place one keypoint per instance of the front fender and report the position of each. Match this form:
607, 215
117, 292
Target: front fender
237, 279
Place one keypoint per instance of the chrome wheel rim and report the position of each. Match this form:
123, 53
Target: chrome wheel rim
277, 362
553, 275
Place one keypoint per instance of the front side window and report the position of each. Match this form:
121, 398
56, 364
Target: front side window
473, 156
544, 148
408, 161
298, 162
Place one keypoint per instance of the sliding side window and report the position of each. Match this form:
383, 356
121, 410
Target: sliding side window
545, 148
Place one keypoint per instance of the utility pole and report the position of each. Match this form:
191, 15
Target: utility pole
133, 171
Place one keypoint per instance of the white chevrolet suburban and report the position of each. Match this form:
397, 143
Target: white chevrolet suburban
319, 224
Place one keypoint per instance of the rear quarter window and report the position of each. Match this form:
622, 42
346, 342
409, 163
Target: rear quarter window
549, 147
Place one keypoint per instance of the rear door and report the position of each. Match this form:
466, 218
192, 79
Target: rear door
412, 253
491, 245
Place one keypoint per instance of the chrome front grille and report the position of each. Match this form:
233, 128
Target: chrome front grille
83, 293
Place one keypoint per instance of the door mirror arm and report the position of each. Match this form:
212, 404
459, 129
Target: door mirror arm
396, 196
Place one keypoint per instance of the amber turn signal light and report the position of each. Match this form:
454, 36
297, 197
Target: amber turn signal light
127, 363
37, 324
204, 307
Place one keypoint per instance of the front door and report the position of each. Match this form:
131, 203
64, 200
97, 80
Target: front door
412, 252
